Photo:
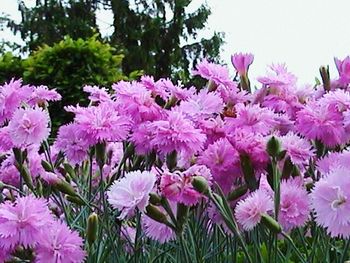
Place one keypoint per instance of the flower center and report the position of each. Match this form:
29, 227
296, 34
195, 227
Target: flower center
341, 199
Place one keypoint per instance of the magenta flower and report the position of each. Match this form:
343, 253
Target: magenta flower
156, 88
59, 244
330, 200
97, 94
100, 123
42, 94
12, 95
141, 137
29, 126
22, 222
249, 211
175, 91
294, 205
278, 77
131, 191
213, 128
214, 72
343, 67
71, 143
176, 133
241, 62
299, 150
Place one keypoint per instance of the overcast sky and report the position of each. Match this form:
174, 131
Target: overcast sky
302, 33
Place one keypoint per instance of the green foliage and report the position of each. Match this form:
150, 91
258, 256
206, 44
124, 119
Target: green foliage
10, 67
68, 66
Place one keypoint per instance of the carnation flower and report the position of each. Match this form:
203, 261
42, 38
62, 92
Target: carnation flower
241, 62
299, 150
330, 200
12, 95
141, 136
100, 123
223, 161
214, 72
22, 222
59, 244
175, 91
8, 172
158, 231
278, 76
42, 94
249, 211
97, 94
343, 67
5, 139
333, 160
131, 191
71, 143
252, 119
294, 205
176, 133
213, 128
29, 126
156, 88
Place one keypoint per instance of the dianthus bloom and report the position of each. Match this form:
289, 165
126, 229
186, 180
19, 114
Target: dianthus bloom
21, 222
101, 123
177, 133
321, 122
278, 76
97, 94
214, 72
158, 231
330, 200
12, 94
333, 160
131, 191
72, 143
241, 62
294, 205
249, 211
58, 244
42, 94
29, 126
343, 67
141, 136
298, 149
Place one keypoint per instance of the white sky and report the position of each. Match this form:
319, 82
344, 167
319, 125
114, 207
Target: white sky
303, 33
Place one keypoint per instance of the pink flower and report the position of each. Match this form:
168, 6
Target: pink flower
175, 91
320, 122
23, 221
343, 67
156, 88
29, 126
241, 62
101, 123
59, 244
223, 161
71, 143
131, 191
213, 128
158, 231
42, 94
299, 150
214, 72
176, 133
248, 211
97, 94
252, 119
330, 200
8, 172
5, 139
12, 95
278, 77
231, 95
294, 205
141, 137
333, 160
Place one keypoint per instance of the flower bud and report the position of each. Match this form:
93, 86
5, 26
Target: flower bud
69, 169
171, 160
26, 177
237, 193
91, 229
156, 214
65, 188
211, 85
155, 199
200, 184
271, 223
75, 199
100, 150
273, 147
324, 72
47, 166
248, 172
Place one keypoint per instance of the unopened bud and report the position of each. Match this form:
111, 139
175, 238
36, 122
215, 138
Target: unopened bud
271, 223
69, 169
248, 172
155, 199
273, 147
324, 72
47, 166
91, 229
100, 150
237, 193
200, 184
212, 86
65, 188
26, 177
156, 214
171, 160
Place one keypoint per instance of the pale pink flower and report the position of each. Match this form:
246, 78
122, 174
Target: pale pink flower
330, 200
59, 244
333, 160
176, 133
22, 222
141, 137
294, 205
175, 91
241, 62
97, 94
29, 126
43, 94
249, 211
130, 192
278, 76
213, 128
5, 139
343, 67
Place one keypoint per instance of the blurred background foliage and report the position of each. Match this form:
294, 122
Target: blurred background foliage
63, 47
